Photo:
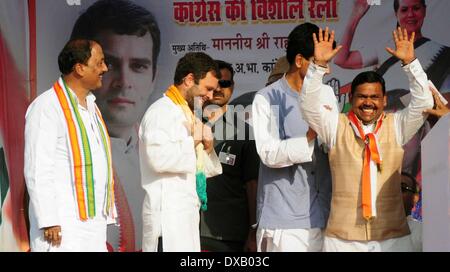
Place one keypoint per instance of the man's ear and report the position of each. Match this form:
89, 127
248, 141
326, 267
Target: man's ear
385, 100
298, 61
78, 68
189, 80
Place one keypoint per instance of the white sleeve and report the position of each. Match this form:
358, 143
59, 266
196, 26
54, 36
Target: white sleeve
166, 148
410, 119
41, 133
273, 151
319, 106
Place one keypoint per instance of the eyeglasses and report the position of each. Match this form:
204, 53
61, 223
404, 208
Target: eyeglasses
406, 188
225, 83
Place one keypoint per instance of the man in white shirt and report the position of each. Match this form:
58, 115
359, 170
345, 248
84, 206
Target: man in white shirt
130, 38
294, 186
366, 152
171, 153
68, 169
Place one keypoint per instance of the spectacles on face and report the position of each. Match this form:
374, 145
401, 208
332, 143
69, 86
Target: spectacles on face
407, 188
225, 83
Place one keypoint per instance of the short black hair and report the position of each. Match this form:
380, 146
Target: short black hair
225, 65
197, 63
368, 77
300, 41
397, 5
121, 17
75, 51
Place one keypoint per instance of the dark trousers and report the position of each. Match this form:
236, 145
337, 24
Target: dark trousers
214, 245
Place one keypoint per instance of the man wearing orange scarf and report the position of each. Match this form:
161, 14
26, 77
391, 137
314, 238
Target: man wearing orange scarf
67, 157
366, 151
172, 145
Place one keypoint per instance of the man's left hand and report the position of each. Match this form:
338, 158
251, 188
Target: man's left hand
404, 46
439, 108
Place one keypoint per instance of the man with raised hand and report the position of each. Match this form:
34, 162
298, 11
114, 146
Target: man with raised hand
366, 152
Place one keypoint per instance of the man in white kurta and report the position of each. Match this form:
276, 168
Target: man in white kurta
171, 205
48, 167
48, 175
167, 153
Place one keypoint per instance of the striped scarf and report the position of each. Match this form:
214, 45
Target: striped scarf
174, 94
371, 152
81, 157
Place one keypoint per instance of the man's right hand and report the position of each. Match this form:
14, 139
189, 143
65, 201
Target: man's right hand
53, 235
323, 47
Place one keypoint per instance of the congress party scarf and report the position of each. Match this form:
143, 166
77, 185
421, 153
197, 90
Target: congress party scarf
81, 157
200, 176
371, 152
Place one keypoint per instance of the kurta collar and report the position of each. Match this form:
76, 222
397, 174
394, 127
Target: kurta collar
288, 90
90, 98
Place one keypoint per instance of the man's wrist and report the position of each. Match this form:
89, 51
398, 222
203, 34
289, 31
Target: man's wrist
404, 63
323, 64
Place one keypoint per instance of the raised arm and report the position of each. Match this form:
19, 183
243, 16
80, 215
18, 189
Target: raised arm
410, 119
317, 101
353, 59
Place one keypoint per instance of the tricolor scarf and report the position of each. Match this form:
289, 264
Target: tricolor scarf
371, 152
81, 157
174, 94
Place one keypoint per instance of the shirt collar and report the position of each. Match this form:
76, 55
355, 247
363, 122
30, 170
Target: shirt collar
285, 86
90, 98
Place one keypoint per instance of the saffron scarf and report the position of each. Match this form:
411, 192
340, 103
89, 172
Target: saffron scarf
371, 152
81, 157
200, 177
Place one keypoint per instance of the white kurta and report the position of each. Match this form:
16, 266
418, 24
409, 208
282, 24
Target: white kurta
49, 180
167, 159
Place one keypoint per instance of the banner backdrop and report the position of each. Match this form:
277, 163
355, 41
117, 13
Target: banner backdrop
251, 35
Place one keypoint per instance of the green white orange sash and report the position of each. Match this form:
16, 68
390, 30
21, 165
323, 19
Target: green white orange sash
81, 157
371, 152
200, 176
